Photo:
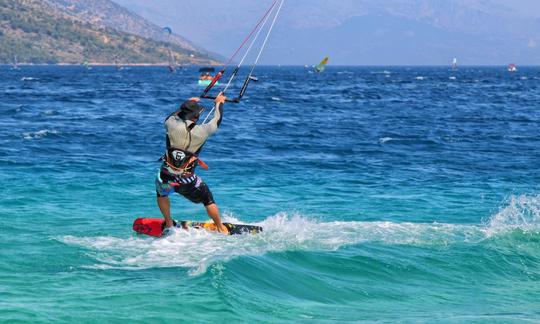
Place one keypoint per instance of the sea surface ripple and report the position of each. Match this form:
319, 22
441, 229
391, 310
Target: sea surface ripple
386, 194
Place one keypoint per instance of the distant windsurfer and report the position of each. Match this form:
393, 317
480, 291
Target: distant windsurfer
185, 139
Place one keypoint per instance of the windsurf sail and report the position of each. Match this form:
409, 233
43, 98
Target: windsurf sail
87, 65
155, 227
117, 63
321, 66
454, 64
15, 64
512, 67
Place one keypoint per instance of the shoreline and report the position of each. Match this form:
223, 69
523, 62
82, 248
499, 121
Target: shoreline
272, 65
105, 64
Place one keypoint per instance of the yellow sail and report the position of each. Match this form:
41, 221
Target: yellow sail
320, 67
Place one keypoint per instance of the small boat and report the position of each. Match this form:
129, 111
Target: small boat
512, 67
454, 64
206, 76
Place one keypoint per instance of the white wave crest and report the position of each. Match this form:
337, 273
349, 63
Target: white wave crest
386, 72
521, 212
383, 140
39, 134
198, 249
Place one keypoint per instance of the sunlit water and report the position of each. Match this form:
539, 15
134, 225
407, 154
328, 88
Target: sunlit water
394, 194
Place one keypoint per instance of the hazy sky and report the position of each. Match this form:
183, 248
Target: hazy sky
361, 31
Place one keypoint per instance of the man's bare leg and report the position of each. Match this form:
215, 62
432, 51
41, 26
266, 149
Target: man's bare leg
213, 212
164, 205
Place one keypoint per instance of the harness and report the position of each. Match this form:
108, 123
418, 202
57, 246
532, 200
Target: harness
182, 162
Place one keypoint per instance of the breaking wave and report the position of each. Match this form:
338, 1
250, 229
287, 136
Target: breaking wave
198, 249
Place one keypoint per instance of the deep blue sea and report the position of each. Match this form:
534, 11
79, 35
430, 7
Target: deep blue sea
407, 194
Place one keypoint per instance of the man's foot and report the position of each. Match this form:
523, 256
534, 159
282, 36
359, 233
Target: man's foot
168, 231
223, 230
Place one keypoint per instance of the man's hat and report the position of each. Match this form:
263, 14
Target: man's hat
190, 110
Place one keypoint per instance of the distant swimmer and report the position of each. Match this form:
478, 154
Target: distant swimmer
185, 140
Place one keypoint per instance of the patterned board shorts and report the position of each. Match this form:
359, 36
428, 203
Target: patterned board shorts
192, 187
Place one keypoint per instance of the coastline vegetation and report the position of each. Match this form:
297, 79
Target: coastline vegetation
35, 33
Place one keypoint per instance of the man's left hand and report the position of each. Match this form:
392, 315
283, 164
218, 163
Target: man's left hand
220, 98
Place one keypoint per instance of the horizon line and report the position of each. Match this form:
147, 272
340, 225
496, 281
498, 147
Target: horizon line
267, 65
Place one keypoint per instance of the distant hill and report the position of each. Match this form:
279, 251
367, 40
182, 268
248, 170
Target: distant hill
73, 32
107, 14
365, 32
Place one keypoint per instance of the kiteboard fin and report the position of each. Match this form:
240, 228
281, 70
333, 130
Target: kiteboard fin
155, 226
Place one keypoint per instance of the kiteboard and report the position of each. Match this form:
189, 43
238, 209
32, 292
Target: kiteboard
155, 226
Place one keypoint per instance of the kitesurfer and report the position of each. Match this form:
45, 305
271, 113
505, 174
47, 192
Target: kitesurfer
185, 139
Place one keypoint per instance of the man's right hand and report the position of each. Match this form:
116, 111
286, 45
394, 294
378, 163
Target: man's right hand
220, 99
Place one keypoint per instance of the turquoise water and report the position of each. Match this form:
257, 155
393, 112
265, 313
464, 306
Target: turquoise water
386, 194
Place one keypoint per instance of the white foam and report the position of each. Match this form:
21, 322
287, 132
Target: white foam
520, 213
39, 134
383, 140
381, 72
197, 249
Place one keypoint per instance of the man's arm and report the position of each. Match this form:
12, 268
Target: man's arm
212, 126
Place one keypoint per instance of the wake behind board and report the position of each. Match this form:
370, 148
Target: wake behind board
155, 226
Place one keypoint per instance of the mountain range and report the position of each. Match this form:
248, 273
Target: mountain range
364, 32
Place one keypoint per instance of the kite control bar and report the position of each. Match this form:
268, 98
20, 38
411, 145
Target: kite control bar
255, 31
235, 100
240, 95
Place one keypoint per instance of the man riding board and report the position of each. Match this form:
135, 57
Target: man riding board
185, 139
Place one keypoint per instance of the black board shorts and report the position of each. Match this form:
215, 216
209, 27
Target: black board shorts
196, 191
